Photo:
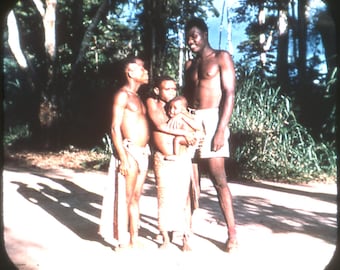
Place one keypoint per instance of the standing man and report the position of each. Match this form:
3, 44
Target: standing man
210, 89
130, 136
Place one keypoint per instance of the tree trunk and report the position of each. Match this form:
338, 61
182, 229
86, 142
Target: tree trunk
326, 26
154, 35
282, 50
229, 33
14, 40
77, 28
89, 33
181, 41
49, 110
31, 80
302, 37
265, 42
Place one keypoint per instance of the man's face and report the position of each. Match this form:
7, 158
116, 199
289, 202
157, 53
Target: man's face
139, 72
167, 90
196, 39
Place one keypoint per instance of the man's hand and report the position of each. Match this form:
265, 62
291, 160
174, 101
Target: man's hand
124, 167
218, 141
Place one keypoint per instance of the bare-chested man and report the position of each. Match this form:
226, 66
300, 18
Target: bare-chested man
172, 176
130, 136
210, 89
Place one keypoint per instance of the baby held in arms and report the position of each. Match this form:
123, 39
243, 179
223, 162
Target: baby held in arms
180, 118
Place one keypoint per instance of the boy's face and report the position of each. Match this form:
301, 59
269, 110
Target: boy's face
167, 90
175, 108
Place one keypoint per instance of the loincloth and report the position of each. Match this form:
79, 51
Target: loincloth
210, 119
113, 225
140, 154
173, 183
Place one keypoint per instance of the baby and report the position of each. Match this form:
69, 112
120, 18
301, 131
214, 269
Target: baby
180, 118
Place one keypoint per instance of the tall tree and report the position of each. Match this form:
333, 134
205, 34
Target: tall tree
162, 31
41, 86
302, 40
326, 26
282, 47
86, 41
155, 32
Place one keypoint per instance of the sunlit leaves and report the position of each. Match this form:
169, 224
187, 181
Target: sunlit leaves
270, 143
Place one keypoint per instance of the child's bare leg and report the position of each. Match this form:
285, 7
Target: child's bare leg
166, 239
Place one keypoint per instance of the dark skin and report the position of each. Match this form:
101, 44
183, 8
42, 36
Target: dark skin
176, 107
129, 121
210, 83
163, 135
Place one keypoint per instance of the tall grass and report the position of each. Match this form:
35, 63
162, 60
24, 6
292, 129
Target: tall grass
269, 143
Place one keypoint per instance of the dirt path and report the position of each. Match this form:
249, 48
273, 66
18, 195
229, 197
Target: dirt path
51, 221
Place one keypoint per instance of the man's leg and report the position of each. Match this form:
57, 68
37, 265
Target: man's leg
134, 186
219, 178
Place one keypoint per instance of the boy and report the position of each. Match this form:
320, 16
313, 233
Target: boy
172, 177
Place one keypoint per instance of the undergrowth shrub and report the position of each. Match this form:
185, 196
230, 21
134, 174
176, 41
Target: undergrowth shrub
267, 142
106, 150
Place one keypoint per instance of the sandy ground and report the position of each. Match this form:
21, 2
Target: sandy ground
51, 222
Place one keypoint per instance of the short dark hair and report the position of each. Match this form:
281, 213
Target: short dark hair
131, 59
121, 68
162, 78
182, 99
196, 22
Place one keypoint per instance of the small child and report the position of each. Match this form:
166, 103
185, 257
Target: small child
180, 118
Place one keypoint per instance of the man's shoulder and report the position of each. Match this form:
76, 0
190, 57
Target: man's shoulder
222, 53
121, 91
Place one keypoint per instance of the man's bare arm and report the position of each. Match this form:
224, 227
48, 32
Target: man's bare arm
228, 96
159, 120
119, 105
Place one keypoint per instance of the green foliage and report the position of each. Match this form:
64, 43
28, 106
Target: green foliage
16, 133
268, 141
329, 126
104, 151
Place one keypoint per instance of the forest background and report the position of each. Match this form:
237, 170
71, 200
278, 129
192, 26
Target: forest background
60, 72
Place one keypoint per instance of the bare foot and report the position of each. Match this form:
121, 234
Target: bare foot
186, 246
136, 244
165, 245
231, 245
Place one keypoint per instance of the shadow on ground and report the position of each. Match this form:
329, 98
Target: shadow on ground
66, 207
